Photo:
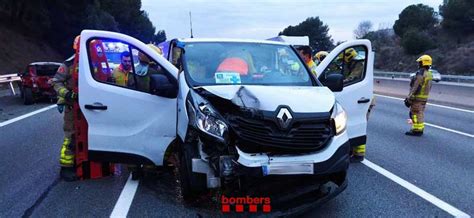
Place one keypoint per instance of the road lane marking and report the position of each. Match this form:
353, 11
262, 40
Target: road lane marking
418, 191
2, 124
450, 130
436, 126
126, 197
436, 105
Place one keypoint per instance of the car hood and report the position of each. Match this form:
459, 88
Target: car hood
300, 99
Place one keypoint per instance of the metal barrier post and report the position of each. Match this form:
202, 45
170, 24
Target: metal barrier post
12, 88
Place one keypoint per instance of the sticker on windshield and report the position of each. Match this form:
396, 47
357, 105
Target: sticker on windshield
227, 77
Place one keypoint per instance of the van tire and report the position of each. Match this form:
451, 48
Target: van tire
22, 93
192, 184
27, 96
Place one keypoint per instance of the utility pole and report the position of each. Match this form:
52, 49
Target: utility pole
191, 24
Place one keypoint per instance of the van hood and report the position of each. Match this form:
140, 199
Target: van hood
300, 99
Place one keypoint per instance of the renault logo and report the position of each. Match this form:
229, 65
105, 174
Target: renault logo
284, 118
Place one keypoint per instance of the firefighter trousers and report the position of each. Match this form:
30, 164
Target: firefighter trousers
417, 110
67, 148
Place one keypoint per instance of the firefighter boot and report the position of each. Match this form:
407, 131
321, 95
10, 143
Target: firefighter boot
66, 161
358, 154
414, 133
67, 155
68, 174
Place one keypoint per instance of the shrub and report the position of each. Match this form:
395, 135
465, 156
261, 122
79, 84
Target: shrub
415, 42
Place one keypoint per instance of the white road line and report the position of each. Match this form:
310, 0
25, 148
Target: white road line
436, 126
436, 105
420, 192
2, 124
450, 130
126, 197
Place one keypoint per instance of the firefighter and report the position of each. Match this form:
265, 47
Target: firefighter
319, 56
353, 67
306, 54
120, 74
145, 68
63, 85
420, 86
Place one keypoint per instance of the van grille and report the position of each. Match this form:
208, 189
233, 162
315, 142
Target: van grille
254, 135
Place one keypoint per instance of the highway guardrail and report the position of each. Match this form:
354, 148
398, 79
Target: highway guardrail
10, 79
444, 77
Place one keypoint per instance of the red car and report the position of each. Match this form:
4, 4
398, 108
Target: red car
36, 81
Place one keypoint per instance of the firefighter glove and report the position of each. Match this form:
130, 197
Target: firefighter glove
70, 96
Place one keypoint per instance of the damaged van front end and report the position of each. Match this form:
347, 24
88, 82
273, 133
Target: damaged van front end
240, 140
260, 118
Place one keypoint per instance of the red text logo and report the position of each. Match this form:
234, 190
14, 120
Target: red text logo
245, 204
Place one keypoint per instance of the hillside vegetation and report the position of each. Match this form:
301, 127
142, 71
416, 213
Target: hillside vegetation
45, 29
449, 57
18, 50
448, 38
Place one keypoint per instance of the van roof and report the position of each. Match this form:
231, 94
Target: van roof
291, 40
229, 40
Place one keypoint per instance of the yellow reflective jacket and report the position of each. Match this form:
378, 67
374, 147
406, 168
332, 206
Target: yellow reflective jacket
120, 76
420, 85
312, 66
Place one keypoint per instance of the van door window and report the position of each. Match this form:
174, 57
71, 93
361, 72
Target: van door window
351, 63
117, 63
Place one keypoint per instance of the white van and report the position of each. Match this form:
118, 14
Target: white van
228, 109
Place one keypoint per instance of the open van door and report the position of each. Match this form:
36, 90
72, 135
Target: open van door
127, 93
355, 61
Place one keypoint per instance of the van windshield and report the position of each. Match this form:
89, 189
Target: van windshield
245, 63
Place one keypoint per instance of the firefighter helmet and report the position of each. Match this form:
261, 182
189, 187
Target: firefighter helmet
425, 60
158, 50
349, 54
143, 57
321, 55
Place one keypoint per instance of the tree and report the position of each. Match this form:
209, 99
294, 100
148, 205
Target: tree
315, 29
458, 16
159, 37
415, 42
60, 21
415, 17
381, 37
132, 21
99, 19
362, 30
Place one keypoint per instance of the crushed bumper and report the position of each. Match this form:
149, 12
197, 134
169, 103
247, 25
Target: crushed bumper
336, 163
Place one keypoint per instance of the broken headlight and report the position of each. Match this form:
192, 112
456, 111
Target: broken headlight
340, 118
204, 117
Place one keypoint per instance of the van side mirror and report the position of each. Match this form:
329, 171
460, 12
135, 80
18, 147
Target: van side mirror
161, 85
334, 82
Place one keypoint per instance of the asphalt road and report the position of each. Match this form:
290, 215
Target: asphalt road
440, 163
458, 95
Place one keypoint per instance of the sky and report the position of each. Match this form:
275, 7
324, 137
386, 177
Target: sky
262, 19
